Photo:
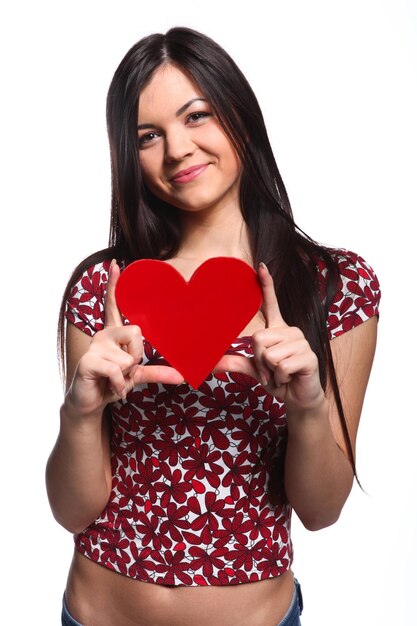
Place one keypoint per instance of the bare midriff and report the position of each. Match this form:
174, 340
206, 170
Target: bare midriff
97, 596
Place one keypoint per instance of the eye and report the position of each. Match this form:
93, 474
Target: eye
197, 116
147, 138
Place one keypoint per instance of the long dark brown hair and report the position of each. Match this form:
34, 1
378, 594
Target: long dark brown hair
143, 226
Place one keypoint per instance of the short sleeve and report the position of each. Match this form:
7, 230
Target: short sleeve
357, 295
85, 304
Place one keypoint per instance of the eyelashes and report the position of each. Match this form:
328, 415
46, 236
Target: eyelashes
195, 117
192, 119
147, 138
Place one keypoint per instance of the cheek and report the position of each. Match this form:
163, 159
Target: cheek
234, 165
228, 154
149, 170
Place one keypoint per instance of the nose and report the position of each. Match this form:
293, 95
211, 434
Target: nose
178, 145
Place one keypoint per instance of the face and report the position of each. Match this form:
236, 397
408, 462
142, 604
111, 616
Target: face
185, 155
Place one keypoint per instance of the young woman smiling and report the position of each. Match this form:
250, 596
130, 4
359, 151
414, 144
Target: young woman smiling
272, 429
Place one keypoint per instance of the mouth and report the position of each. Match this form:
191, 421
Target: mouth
185, 176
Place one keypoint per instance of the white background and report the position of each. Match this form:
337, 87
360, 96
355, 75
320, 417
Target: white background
337, 84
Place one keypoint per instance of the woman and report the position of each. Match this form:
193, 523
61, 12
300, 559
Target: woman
180, 499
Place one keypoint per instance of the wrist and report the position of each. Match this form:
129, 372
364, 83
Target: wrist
313, 415
71, 413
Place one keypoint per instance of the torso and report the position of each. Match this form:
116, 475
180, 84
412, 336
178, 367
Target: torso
97, 596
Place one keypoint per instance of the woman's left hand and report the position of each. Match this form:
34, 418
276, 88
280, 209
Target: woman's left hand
283, 361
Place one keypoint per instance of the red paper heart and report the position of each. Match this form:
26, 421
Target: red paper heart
191, 324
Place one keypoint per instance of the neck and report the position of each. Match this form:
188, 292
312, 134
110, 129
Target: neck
206, 234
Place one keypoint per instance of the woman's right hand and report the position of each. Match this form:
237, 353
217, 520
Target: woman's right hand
111, 366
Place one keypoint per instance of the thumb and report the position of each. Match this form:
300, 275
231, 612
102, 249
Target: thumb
237, 364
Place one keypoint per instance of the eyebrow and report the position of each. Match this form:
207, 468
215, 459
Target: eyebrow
187, 104
177, 114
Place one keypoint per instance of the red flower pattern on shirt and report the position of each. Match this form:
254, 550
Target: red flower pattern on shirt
192, 500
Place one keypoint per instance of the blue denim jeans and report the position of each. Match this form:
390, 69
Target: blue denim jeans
291, 618
66, 617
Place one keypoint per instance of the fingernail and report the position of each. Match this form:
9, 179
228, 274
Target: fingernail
264, 379
113, 262
263, 266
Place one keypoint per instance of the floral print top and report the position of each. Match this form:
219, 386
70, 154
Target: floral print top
197, 495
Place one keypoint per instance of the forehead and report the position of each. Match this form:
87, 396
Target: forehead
168, 89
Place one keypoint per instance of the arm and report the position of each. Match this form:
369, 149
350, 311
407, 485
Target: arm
318, 475
100, 370
78, 475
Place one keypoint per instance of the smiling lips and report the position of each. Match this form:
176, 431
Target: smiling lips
186, 176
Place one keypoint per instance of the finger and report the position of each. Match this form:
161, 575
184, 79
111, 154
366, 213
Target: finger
119, 357
130, 340
281, 349
93, 367
237, 364
157, 374
264, 375
270, 305
274, 347
301, 365
134, 345
112, 315
120, 342
262, 342
277, 365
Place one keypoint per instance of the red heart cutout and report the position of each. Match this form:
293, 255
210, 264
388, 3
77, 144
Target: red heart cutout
191, 324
